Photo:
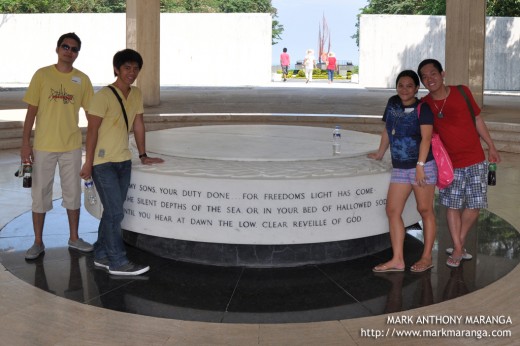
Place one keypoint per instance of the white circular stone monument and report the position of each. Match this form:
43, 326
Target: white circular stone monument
260, 195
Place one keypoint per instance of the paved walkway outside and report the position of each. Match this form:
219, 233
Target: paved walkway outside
293, 96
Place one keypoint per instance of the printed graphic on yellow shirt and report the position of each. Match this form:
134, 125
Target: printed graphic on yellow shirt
57, 95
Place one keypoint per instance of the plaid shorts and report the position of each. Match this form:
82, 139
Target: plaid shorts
468, 189
407, 176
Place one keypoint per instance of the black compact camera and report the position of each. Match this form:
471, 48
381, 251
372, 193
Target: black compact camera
25, 172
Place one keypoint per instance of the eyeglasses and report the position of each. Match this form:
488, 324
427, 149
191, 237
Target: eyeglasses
72, 49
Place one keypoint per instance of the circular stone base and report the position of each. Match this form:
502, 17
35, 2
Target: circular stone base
260, 196
258, 256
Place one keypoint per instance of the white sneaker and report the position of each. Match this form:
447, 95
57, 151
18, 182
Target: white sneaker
129, 269
102, 263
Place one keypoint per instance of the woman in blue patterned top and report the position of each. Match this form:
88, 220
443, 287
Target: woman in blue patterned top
409, 137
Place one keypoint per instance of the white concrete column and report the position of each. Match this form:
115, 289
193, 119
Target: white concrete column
465, 44
143, 34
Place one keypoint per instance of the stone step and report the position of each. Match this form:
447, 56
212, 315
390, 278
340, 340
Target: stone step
507, 146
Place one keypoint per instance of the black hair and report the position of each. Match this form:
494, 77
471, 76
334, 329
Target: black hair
436, 64
285, 50
124, 56
70, 35
408, 73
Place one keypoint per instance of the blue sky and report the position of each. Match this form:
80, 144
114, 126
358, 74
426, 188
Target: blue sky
302, 19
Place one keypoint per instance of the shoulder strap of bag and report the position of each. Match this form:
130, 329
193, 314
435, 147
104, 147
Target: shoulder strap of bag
461, 90
121, 103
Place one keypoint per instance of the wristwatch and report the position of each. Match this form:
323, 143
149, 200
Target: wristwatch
143, 155
420, 163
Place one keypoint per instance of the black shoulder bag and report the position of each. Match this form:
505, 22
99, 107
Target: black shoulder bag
121, 103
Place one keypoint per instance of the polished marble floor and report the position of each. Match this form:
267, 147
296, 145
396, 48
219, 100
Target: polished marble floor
313, 293
32, 316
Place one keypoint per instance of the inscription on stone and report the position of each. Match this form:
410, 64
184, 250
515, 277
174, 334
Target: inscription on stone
252, 210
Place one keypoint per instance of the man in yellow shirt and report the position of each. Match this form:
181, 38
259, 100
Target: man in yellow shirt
54, 97
108, 158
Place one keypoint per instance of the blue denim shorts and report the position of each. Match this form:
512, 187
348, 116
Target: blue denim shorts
407, 176
468, 189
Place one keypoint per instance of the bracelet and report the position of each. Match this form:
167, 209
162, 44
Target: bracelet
420, 163
143, 155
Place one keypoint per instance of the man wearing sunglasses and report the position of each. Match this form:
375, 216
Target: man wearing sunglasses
54, 97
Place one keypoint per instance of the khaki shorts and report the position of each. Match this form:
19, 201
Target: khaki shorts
44, 170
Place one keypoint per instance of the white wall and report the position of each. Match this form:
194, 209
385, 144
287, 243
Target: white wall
196, 49
221, 49
502, 69
392, 43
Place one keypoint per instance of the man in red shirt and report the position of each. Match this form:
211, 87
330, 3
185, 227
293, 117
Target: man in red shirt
461, 136
285, 61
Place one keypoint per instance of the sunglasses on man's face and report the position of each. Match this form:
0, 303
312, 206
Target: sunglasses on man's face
67, 48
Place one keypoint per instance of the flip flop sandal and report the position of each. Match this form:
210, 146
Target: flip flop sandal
386, 269
453, 262
465, 255
420, 269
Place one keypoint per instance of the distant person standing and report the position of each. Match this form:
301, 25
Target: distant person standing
285, 61
309, 63
323, 57
54, 97
331, 66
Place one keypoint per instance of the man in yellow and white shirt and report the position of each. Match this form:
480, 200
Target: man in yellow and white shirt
54, 97
108, 158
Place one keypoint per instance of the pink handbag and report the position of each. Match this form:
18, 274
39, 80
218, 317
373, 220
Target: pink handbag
442, 159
